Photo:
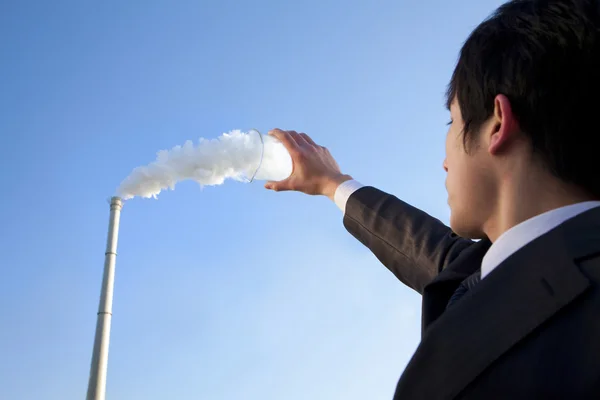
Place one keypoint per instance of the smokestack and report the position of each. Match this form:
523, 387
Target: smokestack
97, 382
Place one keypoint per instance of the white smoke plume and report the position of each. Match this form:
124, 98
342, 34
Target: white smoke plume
235, 155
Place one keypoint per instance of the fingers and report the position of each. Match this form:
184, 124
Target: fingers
308, 139
299, 138
303, 139
287, 139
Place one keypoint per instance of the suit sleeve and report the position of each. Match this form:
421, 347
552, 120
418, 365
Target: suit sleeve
413, 245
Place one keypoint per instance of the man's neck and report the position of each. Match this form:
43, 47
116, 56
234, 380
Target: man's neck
521, 200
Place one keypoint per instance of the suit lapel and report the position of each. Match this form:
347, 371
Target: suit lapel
529, 287
437, 293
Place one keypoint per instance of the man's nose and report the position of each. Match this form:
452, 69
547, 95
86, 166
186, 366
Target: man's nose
445, 165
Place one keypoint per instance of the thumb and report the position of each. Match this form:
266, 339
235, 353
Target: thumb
277, 186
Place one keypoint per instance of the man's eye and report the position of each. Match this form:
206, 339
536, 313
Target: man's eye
450, 123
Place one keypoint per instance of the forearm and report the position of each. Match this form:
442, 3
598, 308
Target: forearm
413, 245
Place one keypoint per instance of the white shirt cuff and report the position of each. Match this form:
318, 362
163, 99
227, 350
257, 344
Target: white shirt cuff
344, 191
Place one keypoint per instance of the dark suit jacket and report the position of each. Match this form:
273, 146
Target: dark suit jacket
529, 330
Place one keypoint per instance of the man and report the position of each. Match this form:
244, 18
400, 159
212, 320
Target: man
515, 315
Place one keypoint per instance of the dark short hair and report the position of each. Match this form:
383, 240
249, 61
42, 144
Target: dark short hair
544, 56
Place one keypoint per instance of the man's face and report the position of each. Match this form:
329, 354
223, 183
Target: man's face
469, 181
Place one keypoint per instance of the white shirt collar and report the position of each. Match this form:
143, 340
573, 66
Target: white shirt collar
520, 235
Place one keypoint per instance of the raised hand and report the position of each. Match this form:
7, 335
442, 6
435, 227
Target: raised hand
315, 171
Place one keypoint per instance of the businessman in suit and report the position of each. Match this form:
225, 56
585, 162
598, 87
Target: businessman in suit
516, 314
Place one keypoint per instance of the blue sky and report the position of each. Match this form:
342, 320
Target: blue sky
230, 292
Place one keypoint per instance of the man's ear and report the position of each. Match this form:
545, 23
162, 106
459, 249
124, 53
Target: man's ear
504, 126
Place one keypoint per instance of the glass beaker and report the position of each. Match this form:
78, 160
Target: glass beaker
270, 159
